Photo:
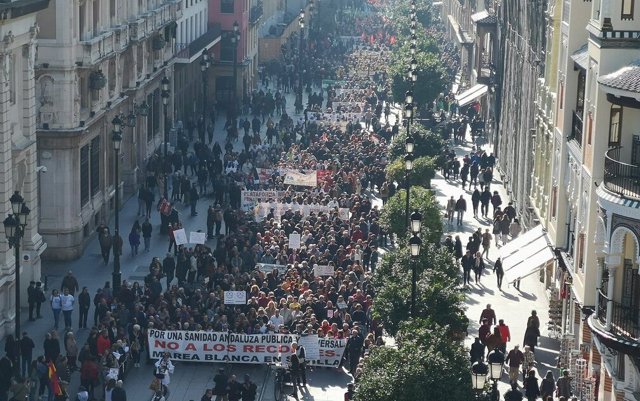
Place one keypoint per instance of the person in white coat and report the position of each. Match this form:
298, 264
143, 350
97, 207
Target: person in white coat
164, 370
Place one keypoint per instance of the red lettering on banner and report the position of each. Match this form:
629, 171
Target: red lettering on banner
272, 349
260, 348
231, 348
173, 345
207, 347
327, 353
190, 347
247, 348
218, 347
160, 344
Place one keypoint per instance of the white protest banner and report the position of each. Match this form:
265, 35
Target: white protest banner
249, 199
342, 305
294, 241
197, 238
293, 177
268, 268
323, 270
311, 346
263, 208
343, 213
202, 346
180, 236
235, 298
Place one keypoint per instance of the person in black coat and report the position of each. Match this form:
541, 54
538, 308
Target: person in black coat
84, 300
235, 389
531, 387
32, 298
477, 351
475, 201
26, 352
249, 389
220, 385
497, 268
6, 373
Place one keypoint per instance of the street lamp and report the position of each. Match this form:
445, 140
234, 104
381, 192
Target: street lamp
408, 166
479, 372
412, 49
300, 76
14, 227
414, 64
496, 360
235, 38
204, 66
414, 246
116, 138
416, 222
409, 144
165, 102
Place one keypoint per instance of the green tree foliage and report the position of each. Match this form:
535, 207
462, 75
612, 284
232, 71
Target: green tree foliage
426, 367
427, 143
438, 297
432, 76
424, 169
421, 199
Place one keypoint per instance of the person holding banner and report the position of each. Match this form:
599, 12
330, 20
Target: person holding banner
300, 353
163, 370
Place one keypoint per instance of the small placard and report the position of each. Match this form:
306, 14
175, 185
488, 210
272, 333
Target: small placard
235, 298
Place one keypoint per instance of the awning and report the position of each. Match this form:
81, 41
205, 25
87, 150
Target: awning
471, 94
525, 255
484, 18
581, 56
462, 37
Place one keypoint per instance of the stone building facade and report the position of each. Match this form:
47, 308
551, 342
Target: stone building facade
98, 59
18, 154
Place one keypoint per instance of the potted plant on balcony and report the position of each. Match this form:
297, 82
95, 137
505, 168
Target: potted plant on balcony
158, 42
97, 80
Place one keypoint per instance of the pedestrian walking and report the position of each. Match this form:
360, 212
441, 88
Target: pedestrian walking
493, 340
496, 201
489, 314
531, 387
461, 207
71, 347
220, 385
451, 207
457, 249
513, 394
563, 385
134, 238
475, 201
477, 351
235, 389
40, 299
163, 370
56, 307
67, 303
514, 359
193, 199
505, 224
147, 229
532, 332
547, 386
529, 361
301, 352
26, 352
32, 298
106, 242
499, 271
478, 266
486, 242
514, 228
12, 350
84, 304
70, 283
485, 199
467, 266
505, 335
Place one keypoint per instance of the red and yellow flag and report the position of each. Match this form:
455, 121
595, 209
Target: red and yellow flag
53, 378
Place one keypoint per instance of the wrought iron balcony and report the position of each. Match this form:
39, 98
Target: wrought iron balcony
255, 13
624, 319
576, 128
621, 178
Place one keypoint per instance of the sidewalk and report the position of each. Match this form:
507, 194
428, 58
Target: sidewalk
510, 304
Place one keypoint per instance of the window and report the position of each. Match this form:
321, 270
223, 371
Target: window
12, 78
615, 125
620, 367
95, 165
554, 201
84, 175
589, 127
627, 9
226, 6
582, 75
580, 252
227, 47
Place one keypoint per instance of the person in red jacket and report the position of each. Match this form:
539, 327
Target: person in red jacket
103, 343
505, 335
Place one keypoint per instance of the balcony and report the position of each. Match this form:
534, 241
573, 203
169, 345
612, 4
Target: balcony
576, 127
624, 319
621, 178
255, 13
188, 52
486, 70
97, 48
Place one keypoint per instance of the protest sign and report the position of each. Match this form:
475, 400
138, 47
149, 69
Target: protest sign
342, 305
197, 238
249, 199
311, 346
235, 298
323, 270
180, 236
268, 268
294, 177
294, 241
325, 177
201, 346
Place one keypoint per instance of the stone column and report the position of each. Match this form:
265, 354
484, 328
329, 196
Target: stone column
610, 288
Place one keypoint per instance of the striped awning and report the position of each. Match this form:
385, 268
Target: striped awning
615, 199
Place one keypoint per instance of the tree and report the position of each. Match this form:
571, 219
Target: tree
438, 297
424, 169
431, 74
415, 373
421, 199
427, 143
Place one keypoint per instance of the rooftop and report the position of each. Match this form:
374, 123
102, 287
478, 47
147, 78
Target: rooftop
626, 78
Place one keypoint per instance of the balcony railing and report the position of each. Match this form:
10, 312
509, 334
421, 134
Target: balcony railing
621, 178
576, 128
624, 319
256, 13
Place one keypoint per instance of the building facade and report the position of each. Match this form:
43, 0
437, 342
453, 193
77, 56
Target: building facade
236, 55
194, 38
97, 59
586, 189
18, 152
